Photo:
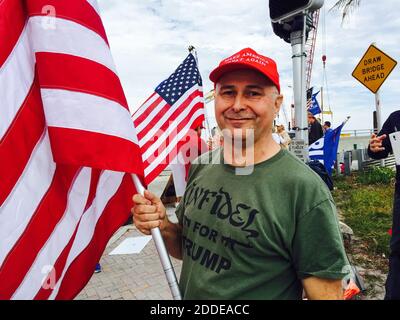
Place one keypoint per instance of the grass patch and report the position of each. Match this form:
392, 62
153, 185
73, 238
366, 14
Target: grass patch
376, 175
367, 208
365, 201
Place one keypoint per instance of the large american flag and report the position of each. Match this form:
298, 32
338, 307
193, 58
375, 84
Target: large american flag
64, 125
165, 119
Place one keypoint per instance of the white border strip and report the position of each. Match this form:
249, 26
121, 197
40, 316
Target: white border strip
21, 203
59, 238
86, 112
108, 185
16, 79
69, 37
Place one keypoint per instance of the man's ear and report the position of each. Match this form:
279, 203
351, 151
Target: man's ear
278, 102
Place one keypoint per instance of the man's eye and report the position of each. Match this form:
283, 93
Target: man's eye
253, 93
227, 93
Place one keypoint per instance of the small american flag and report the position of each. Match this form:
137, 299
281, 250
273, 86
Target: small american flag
165, 119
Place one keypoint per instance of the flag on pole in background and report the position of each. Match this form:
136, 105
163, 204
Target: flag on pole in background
312, 102
64, 125
165, 119
325, 149
309, 96
181, 164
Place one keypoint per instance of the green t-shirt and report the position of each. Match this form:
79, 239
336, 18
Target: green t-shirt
255, 236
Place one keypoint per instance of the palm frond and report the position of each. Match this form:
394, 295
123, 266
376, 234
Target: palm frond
346, 7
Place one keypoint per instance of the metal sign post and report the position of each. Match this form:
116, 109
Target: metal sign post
297, 39
289, 22
379, 117
378, 111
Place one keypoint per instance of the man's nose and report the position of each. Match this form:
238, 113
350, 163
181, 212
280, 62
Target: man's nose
239, 104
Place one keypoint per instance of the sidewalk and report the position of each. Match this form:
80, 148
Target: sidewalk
134, 276
128, 277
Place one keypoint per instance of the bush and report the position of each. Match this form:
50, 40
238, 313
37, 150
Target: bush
377, 175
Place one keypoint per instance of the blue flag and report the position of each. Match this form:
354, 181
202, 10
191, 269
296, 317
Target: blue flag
325, 149
314, 105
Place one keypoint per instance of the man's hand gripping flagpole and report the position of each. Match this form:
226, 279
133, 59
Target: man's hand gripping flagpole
162, 250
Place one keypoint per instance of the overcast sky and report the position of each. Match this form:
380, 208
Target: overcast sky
149, 39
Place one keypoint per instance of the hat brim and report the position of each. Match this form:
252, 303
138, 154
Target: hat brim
219, 71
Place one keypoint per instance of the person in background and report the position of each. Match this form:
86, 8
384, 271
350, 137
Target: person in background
275, 135
379, 148
327, 127
216, 140
284, 135
97, 269
315, 131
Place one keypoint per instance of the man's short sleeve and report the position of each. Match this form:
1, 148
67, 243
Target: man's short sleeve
318, 248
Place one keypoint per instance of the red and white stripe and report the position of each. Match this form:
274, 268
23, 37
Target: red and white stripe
63, 114
162, 128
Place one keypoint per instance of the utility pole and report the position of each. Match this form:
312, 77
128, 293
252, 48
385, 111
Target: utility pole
291, 21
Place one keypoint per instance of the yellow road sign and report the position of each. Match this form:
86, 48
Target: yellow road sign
374, 68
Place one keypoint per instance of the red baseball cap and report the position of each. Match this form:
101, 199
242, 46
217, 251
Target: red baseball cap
247, 59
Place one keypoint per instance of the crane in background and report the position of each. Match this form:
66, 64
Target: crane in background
310, 47
310, 50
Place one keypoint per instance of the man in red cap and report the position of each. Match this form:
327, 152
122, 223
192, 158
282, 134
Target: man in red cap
256, 223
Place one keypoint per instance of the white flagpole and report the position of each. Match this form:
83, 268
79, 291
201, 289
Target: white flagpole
347, 119
162, 250
193, 49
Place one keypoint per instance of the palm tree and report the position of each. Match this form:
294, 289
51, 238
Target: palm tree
346, 7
